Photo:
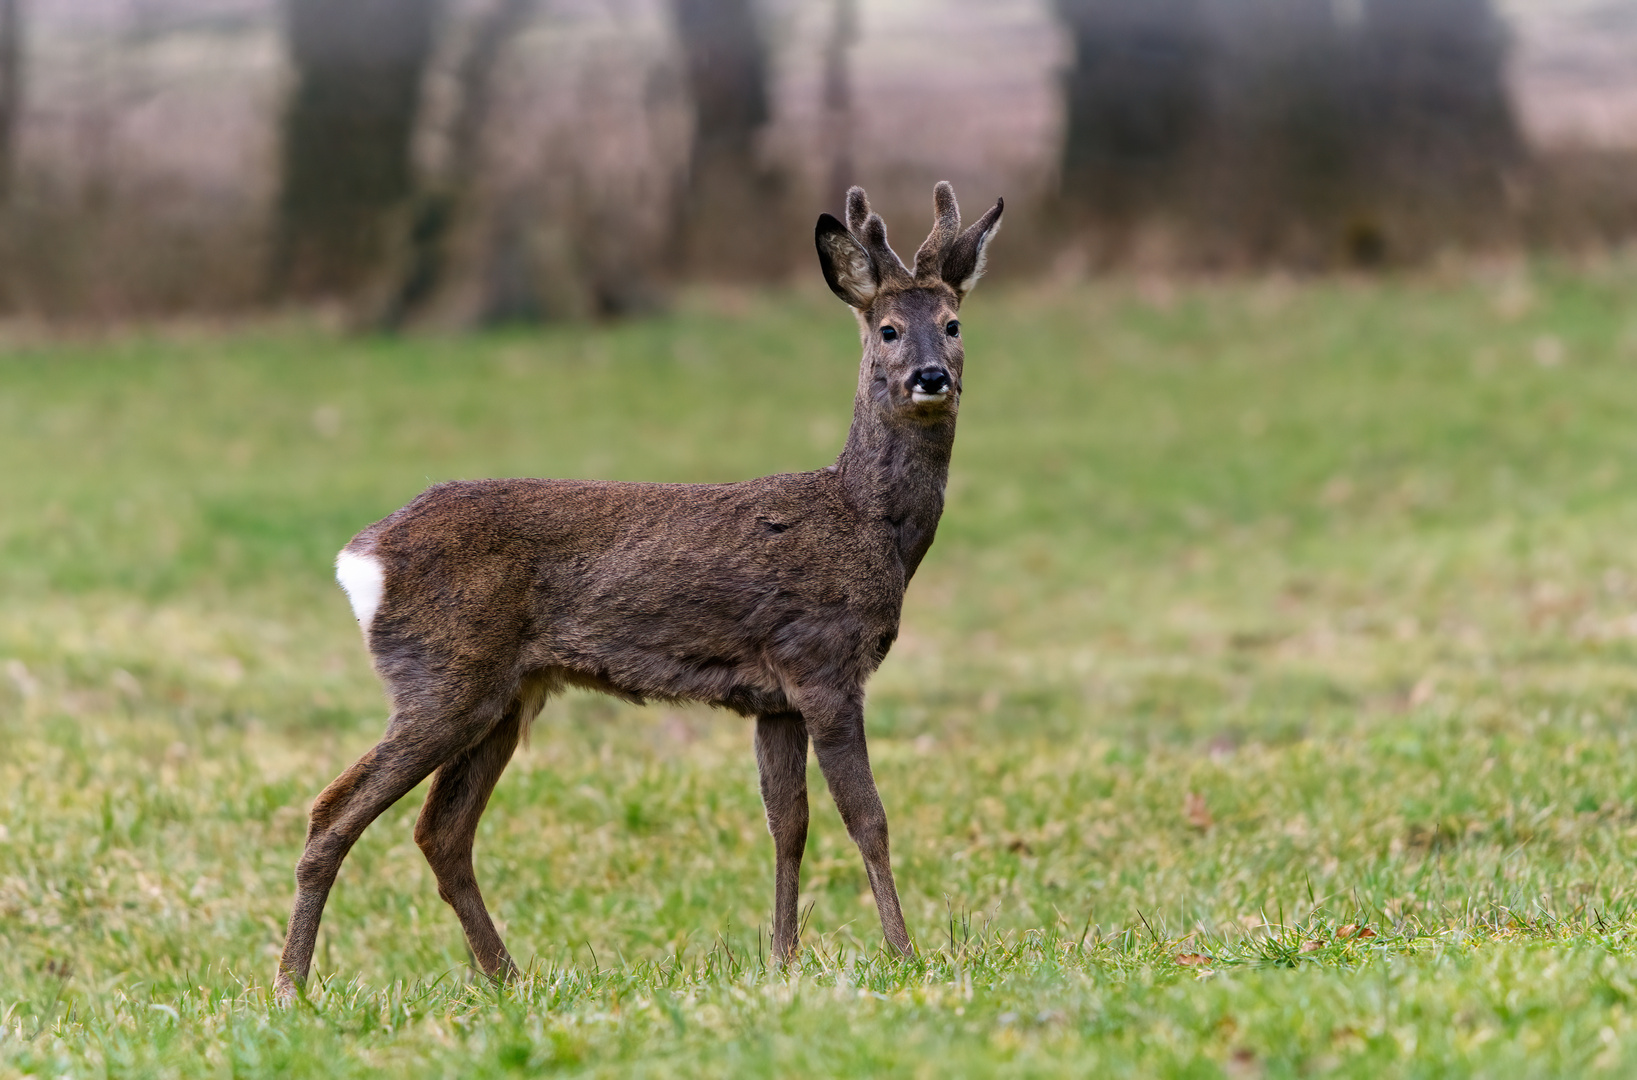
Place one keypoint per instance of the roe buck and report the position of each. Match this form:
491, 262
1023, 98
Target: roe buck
776, 598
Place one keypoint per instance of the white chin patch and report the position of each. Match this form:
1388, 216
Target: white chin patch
364, 582
922, 399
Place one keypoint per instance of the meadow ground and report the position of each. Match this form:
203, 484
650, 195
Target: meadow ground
1265, 707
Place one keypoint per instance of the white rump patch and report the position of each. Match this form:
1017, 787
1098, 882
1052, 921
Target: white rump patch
364, 582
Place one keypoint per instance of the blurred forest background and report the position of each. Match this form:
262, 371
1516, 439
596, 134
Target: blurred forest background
459, 162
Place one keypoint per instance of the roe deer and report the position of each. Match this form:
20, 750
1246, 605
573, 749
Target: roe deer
776, 598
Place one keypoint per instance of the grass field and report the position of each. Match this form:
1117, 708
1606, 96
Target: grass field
1265, 707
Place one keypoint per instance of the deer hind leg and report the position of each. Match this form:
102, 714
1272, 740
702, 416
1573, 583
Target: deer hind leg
415, 743
781, 758
448, 825
837, 727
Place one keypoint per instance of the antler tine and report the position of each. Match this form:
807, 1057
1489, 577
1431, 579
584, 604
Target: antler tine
858, 210
946, 226
887, 263
868, 228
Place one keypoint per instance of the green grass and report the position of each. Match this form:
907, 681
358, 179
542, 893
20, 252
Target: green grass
1261, 612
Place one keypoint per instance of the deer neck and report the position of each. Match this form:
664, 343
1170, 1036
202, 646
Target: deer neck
894, 471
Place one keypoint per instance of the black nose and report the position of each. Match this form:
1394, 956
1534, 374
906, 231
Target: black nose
930, 381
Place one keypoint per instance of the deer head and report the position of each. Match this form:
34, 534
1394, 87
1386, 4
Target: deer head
908, 318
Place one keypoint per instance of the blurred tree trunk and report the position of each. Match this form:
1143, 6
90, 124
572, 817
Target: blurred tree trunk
1136, 100
1434, 94
1312, 131
445, 206
1378, 131
838, 102
346, 166
730, 208
1284, 152
11, 90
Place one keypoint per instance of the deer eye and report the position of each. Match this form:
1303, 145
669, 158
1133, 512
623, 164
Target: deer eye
954, 328
889, 333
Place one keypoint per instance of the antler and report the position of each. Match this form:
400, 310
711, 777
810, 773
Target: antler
929, 260
868, 228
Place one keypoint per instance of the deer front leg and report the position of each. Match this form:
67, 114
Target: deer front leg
838, 741
781, 759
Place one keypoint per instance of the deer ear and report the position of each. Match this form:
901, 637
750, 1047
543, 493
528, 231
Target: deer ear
964, 263
847, 266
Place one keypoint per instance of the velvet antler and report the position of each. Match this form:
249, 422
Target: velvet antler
871, 231
929, 260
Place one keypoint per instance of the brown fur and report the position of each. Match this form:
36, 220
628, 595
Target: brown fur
776, 598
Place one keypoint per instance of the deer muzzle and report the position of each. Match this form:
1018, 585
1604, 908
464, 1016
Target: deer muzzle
929, 384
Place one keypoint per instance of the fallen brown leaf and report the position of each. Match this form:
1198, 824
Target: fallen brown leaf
1193, 959
1197, 813
1311, 946
1352, 930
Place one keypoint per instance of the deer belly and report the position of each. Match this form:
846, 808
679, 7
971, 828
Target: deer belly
640, 670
